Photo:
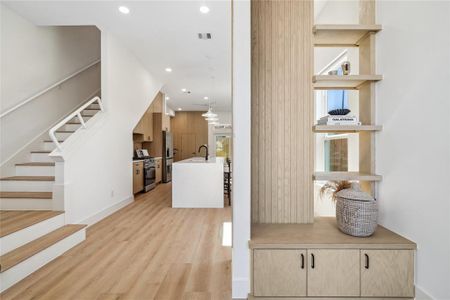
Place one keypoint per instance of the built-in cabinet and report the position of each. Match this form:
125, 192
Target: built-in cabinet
148, 132
387, 273
190, 131
138, 176
333, 273
143, 132
317, 260
279, 272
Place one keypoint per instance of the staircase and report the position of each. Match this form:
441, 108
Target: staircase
31, 233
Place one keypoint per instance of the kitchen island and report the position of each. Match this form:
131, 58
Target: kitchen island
198, 183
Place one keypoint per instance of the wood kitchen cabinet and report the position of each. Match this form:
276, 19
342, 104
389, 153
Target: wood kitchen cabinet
387, 273
138, 176
318, 261
333, 272
148, 129
143, 132
158, 163
279, 272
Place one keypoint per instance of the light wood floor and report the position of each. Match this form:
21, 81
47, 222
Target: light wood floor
147, 250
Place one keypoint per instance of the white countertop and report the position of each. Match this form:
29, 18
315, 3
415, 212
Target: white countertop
201, 160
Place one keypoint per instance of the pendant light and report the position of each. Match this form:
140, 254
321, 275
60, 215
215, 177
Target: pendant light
209, 113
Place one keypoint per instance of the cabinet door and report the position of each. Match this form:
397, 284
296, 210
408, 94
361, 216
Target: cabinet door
138, 177
333, 272
387, 273
279, 272
148, 130
139, 129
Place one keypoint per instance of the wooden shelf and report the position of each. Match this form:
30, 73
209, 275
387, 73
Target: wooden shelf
346, 128
341, 35
348, 82
338, 176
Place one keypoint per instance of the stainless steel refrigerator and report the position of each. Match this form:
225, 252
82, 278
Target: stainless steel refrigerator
167, 158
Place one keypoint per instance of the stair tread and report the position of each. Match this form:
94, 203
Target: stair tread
28, 178
15, 220
65, 131
50, 141
41, 151
31, 195
37, 164
26, 251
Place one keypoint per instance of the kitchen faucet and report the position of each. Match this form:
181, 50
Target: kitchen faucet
206, 147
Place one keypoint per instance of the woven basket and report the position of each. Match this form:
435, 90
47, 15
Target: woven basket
356, 212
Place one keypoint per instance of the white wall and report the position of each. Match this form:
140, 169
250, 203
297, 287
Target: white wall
413, 150
98, 170
33, 58
241, 149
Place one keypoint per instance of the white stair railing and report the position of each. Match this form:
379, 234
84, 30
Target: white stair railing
76, 113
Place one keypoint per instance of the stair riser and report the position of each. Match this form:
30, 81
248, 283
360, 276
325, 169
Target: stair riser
48, 146
85, 118
26, 235
62, 135
94, 106
35, 171
71, 127
89, 112
26, 186
25, 204
32, 264
40, 157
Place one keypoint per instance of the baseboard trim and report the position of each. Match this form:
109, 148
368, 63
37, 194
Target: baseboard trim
240, 288
422, 295
106, 212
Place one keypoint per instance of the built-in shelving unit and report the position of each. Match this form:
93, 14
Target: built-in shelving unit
346, 128
288, 258
330, 35
324, 82
360, 35
339, 176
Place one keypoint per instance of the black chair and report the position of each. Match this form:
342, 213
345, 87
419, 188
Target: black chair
227, 180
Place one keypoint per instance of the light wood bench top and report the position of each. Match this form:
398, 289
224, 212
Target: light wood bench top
322, 233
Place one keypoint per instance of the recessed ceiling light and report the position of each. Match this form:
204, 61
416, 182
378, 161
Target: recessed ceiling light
179, 108
204, 9
206, 98
184, 90
167, 98
125, 10
168, 70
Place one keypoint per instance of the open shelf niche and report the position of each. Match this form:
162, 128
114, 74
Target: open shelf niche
362, 36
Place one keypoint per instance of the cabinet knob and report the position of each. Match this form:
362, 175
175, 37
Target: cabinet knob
313, 265
367, 261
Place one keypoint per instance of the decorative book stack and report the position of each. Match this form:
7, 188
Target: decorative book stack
338, 120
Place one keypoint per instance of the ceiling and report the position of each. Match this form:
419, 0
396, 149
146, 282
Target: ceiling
161, 34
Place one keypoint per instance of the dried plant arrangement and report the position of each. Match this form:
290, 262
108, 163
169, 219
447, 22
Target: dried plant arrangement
332, 187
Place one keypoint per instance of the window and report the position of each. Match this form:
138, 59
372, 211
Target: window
336, 155
223, 145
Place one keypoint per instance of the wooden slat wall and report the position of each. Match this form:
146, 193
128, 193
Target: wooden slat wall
282, 111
